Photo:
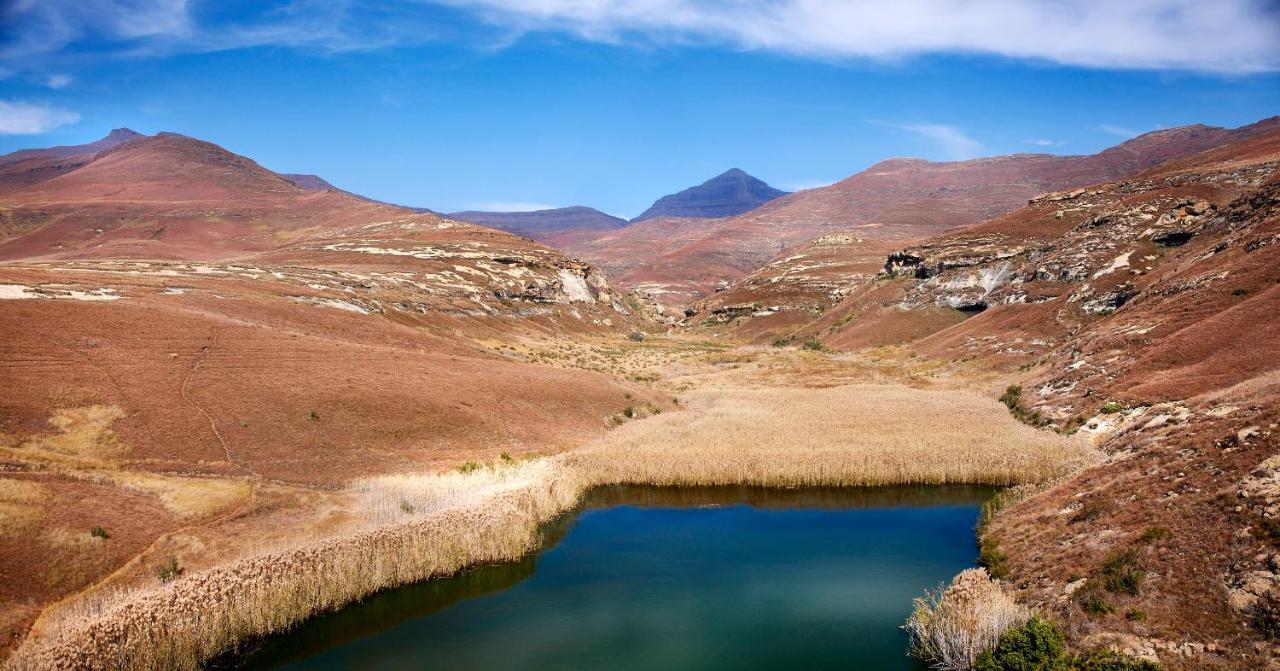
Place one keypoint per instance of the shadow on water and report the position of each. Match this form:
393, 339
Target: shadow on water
397, 608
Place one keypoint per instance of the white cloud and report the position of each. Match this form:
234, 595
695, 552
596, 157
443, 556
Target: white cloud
1236, 36
1223, 36
1044, 142
509, 206
949, 140
19, 118
58, 81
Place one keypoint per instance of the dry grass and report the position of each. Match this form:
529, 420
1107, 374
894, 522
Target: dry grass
83, 439
852, 435
188, 498
419, 526
21, 505
950, 627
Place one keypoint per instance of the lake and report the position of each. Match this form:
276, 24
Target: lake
662, 578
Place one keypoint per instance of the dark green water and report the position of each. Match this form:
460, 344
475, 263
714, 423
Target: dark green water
646, 578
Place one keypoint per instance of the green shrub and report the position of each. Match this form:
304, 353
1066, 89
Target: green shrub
1092, 602
1156, 534
470, 467
635, 336
1038, 646
406, 507
1121, 573
783, 342
1111, 407
992, 558
1110, 660
168, 569
313, 416
1136, 615
813, 345
1012, 399
1035, 646
629, 412
99, 532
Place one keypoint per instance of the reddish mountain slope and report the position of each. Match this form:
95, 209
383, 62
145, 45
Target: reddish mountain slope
1144, 313
25, 167
169, 196
898, 199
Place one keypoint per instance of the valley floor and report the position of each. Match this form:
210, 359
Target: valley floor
175, 562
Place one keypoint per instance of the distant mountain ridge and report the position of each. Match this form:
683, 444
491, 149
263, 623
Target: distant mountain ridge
26, 167
897, 199
544, 225
729, 193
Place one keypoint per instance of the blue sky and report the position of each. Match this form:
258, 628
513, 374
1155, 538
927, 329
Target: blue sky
506, 104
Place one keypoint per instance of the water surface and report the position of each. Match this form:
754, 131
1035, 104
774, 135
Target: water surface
649, 578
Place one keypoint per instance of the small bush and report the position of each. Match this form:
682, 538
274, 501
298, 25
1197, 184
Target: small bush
783, 342
313, 416
1111, 407
1156, 534
168, 569
1266, 617
99, 532
813, 345
507, 458
1038, 646
949, 628
1121, 573
1136, 615
1110, 660
406, 507
1012, 399
470, 467
629, 412
1035, 646
1092, 602
992, 558
635, 336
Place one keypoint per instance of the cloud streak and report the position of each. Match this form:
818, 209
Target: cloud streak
20, 118
951, 141
1230, 36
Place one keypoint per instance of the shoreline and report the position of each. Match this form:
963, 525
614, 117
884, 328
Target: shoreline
486, 516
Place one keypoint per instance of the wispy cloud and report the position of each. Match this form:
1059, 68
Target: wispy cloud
1045, 142
509, 206
58, 81
1235, 36
20, 118
1122, 132
1232, 36
949, 140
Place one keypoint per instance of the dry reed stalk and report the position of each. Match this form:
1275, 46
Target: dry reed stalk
950, 628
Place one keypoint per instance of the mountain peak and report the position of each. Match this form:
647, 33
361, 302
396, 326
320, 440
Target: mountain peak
731, 192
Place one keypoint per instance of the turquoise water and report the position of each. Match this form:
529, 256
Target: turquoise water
645, 578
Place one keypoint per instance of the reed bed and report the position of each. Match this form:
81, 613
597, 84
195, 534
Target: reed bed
859, 435
416, 527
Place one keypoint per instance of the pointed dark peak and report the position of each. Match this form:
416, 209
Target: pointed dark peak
121, 134
731, 192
